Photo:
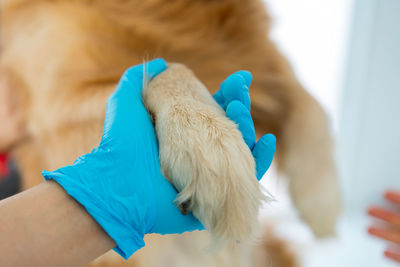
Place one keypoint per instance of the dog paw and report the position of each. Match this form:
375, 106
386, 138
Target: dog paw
203, 154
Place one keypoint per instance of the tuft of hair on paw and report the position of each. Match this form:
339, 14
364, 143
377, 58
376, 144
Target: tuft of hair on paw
229, 208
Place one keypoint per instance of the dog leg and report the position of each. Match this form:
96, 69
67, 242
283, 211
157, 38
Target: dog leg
308, 161
304, 147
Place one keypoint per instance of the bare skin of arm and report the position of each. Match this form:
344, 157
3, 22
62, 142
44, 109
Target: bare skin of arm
391, 230
44, 226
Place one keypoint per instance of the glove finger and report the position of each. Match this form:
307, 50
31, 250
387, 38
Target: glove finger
178, 223
145, 72
263, 153
169, 218
175, 222
130, 85
237, 112
247, 76
235, 87
125, 104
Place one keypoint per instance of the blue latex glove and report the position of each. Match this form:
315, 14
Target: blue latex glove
120, 182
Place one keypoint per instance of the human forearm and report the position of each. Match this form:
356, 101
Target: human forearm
44, 226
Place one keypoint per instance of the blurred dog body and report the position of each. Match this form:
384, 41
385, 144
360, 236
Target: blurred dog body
60, 60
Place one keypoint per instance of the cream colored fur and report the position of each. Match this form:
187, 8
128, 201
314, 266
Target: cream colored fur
202, 153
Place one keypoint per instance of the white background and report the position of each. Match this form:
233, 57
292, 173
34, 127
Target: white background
346, 55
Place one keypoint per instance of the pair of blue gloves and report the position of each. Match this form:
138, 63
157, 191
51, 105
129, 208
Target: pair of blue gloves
120, 182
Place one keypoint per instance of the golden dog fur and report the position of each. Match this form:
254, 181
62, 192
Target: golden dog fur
60, 60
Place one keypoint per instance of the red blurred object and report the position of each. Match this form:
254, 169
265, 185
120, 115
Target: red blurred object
4, 171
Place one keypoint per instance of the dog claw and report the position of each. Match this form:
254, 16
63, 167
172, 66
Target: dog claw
185, 207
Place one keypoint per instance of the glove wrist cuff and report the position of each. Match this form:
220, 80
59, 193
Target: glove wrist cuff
126, 236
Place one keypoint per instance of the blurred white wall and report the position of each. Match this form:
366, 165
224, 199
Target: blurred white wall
313, 35
370, 124
369, 132
347, 55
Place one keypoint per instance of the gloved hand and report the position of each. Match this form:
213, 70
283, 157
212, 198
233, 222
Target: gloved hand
120, 182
